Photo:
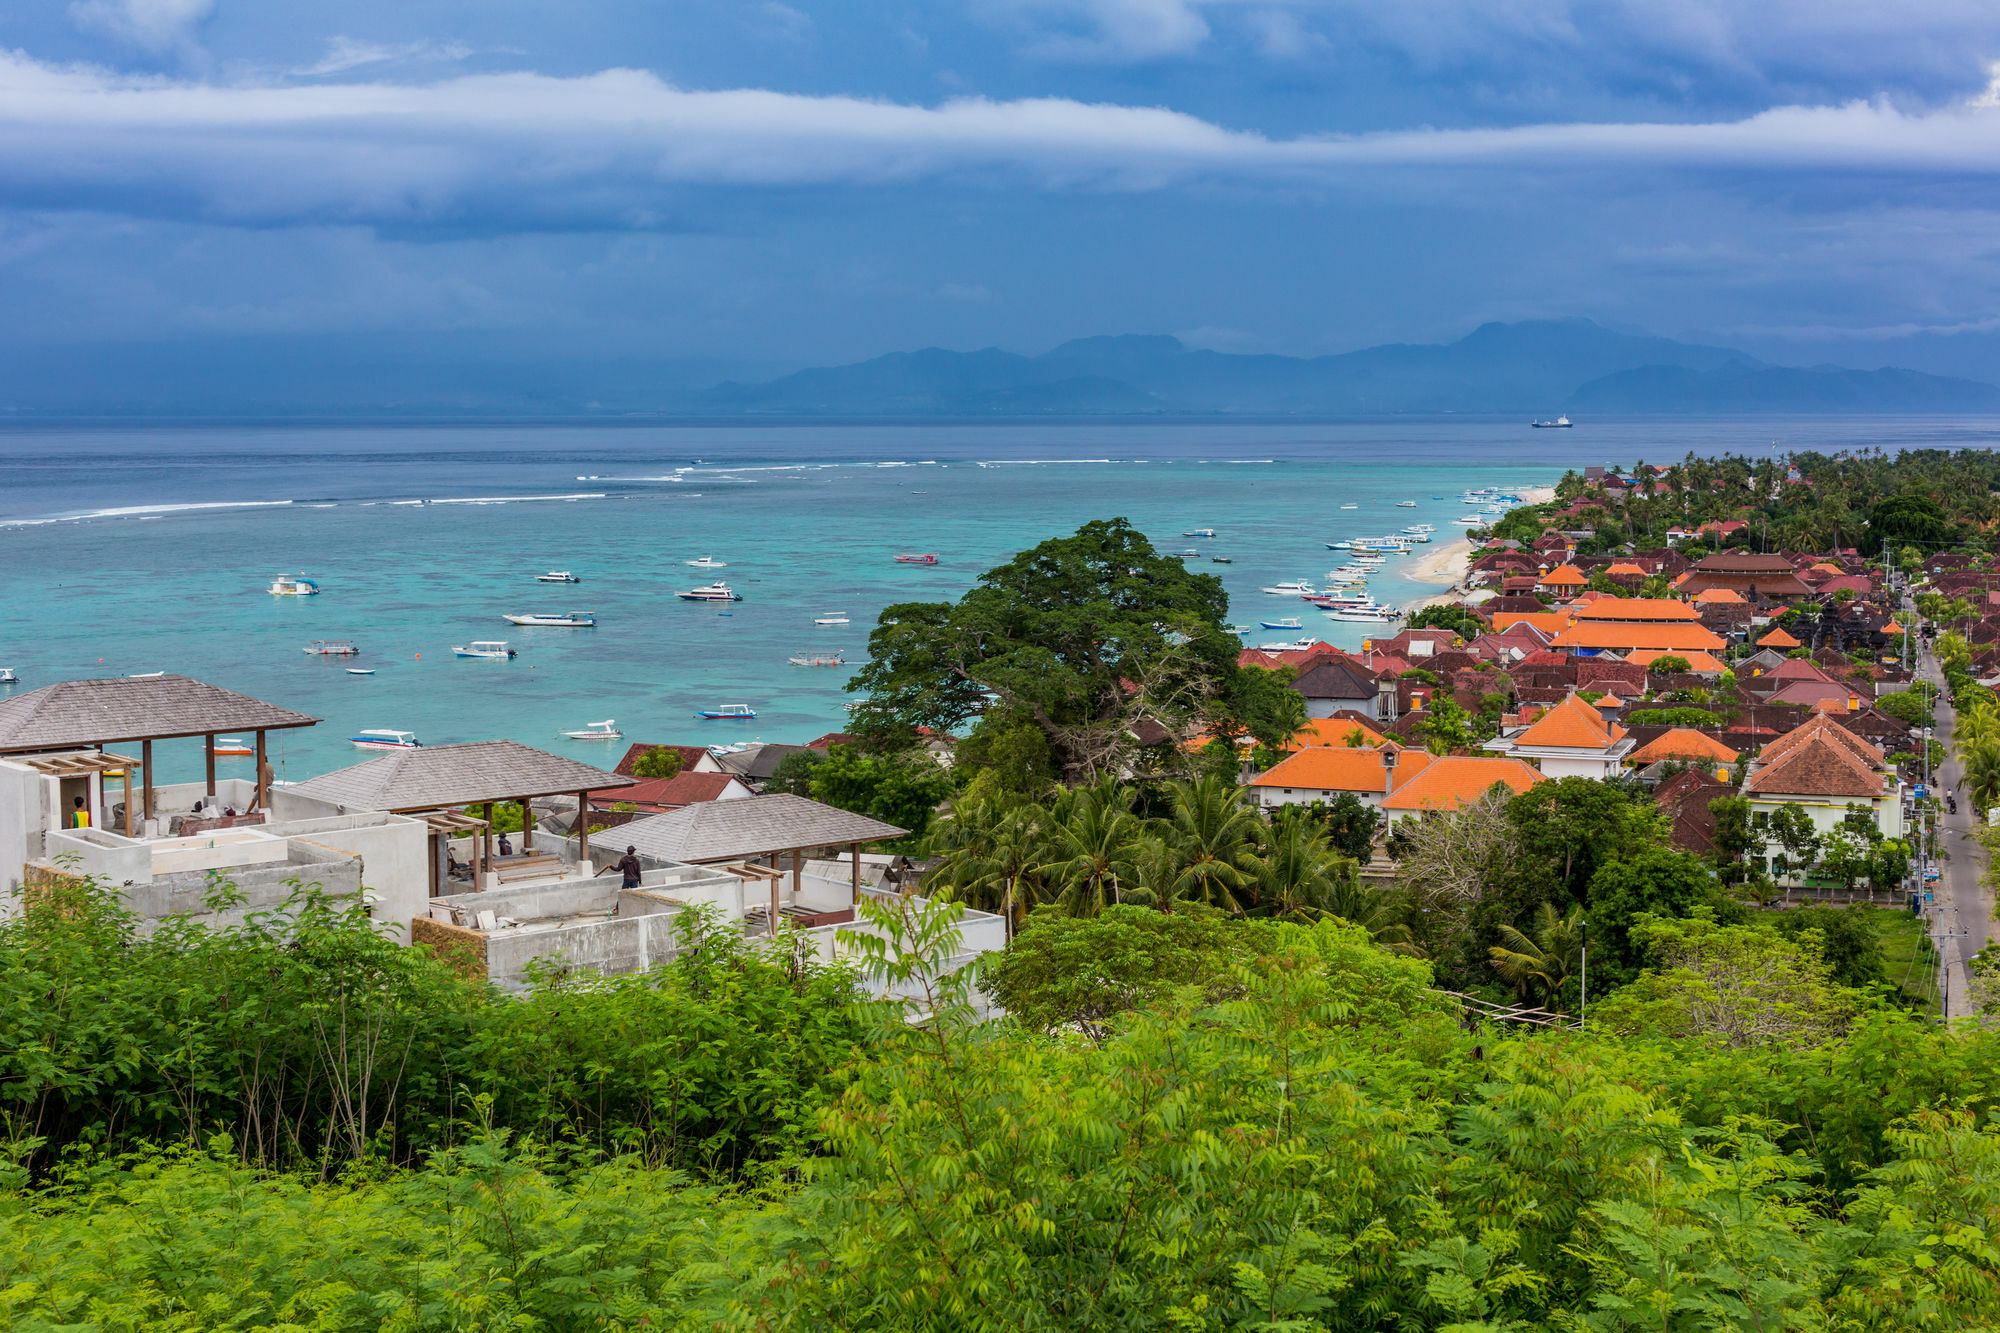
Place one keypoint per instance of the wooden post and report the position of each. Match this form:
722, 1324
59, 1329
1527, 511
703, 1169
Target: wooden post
486, 834
209, 741
263, 777
527, 828
128, 800
583, 831
438, 878
854, 849
146, 776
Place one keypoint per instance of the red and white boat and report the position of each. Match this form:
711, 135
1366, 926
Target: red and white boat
926, 559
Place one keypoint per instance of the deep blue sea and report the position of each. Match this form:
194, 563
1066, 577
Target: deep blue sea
130, 549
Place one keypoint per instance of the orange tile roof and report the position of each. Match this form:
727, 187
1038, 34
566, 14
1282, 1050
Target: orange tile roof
1571, 724
1625, 569
1329, 768
1892, 628
1634, 634
1637, 608
1333, 731
1682, 743
1714, 596
1696, 659
1448, 783
1775, 637
1565, 574
1550, 623
1868, 754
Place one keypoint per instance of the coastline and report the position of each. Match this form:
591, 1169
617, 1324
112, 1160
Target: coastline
1449, 563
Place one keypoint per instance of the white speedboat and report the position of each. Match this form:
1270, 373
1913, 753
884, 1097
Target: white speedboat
495, 649
557, 576
831, 618
838, 657
596, 731
1295, 646
714, 592
567, 620
1406, 504
1379, 615
1293, 589
1350, 506
709, 562
379, 739
1199, 532
1289, 622
286, 586
7, 676
333, 648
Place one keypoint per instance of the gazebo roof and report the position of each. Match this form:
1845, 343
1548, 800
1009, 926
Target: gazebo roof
74, 713
755, 826
432, 777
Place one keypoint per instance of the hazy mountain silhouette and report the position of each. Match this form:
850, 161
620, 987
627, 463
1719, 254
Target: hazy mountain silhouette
1535, 367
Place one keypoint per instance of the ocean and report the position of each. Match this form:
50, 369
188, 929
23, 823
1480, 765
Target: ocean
137, 548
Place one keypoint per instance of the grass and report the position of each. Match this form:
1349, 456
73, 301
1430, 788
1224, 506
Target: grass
1906, 955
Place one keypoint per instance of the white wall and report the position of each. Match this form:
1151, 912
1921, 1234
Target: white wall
395, 858
1268, 797
21, 826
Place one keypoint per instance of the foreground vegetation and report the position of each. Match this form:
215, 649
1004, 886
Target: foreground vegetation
1260, 1124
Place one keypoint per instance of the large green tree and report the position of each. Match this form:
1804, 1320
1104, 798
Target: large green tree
1086, 637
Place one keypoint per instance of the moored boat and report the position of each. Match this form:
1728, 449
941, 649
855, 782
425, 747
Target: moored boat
831, 618
567, 620
361, 671
837, 657
714, 592
377, 738
606, 730
7, 676
709, 562
726, 711
495, 649
1288, 622
229, 747
333, 648
1199, 532
287, 586
557, 576
910, 558
1295, 588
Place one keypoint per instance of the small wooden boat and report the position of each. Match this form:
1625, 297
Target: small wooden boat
928, 558
380, 739
727, 711
228, 747
1221, 560
494, 649
361, 671
596, 731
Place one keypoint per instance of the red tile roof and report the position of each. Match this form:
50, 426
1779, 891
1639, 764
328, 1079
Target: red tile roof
671, 793
688, 753
1636, 608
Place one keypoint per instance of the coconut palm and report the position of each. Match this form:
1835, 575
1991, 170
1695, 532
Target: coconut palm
1982, 773
1297, 872
1092, 843
994, 851
1545, 962
1218, 834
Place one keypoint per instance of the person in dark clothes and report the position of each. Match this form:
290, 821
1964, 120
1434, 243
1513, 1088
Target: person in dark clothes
628, 866
506, 848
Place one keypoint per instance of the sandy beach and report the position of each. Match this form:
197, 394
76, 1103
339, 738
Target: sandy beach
1447, 564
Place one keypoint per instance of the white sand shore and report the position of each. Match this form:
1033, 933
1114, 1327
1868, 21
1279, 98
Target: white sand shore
1448, 564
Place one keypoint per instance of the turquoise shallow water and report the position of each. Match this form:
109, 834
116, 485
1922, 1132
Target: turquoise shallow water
108, 574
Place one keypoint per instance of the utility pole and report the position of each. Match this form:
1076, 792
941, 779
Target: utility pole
1583, 993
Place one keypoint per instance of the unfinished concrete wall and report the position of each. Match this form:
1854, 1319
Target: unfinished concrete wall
395, 858
21, 828
610, 946
259, 888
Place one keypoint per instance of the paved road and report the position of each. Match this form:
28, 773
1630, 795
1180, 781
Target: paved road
1963, 912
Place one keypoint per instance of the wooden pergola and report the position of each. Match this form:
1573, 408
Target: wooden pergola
84, 763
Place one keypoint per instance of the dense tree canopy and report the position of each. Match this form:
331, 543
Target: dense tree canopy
1084, 636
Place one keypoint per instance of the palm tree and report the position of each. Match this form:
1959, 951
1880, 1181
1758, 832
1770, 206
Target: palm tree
1092, 846
994, 851
1299, 867
1545, 962
1982, 773
1218, 835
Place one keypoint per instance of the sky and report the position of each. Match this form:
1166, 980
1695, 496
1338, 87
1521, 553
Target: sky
744, 186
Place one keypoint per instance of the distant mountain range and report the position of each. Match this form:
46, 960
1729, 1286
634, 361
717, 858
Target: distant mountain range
1537, 367
1529, 369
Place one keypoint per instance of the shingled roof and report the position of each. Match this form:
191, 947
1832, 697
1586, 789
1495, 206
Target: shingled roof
98, 712
435, 776
1817, 767
1338, 679
727, 830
